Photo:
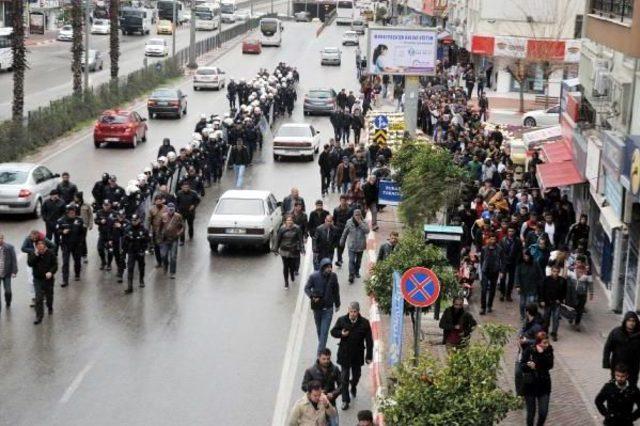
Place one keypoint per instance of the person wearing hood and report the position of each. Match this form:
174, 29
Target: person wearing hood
201, 124
456, 324
323, 290
165, 148
623, 347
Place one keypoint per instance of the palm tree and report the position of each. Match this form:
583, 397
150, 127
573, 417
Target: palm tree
76, 45
114, 37
19, 60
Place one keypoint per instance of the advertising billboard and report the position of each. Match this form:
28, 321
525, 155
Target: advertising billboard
402, 51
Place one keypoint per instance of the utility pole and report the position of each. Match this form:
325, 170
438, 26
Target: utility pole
271, 6
173, 31
192, 39
87, 31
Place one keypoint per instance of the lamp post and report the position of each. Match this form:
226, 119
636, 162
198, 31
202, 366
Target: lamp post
192, 39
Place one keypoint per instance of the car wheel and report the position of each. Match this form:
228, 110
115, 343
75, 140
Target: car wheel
195, 88
275, 157
214, 247
530, 122
134, 141
185, 111
37, 210
101, 65
266, 246
96, 144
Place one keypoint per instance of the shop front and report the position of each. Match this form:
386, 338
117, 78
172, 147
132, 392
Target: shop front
630, 180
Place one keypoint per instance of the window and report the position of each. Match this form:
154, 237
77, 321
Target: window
619, 10
240, 207
46, 173
294, 131
577, 28
13, 177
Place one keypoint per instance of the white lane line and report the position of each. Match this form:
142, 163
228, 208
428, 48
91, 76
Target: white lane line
294, 348
76, 383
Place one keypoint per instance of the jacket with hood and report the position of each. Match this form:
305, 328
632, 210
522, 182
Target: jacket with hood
324, 286
623, 347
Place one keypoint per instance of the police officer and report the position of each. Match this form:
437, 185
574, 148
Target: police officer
113, 192
232, 92
98, 191
136, 241
104, 219
117, 243
70, 230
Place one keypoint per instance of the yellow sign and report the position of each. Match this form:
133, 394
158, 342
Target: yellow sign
380, 136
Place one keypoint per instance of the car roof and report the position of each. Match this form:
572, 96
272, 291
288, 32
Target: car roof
246, 194
122, 112
295, 125
330, 47
18, 166
320, 89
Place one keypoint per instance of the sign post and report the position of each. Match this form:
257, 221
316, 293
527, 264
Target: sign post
420, 288
397, 318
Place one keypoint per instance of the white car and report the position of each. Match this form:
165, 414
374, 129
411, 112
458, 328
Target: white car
243, 15
186, 17
542, 117
101, 26
208, 78
296, 140
330, 56
65, 33
350, 38
245, 218
156, 47
24, 187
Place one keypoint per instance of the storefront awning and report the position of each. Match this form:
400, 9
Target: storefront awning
552, 175
482, 45
557, 152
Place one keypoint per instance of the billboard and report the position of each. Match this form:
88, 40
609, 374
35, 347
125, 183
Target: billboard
402, 51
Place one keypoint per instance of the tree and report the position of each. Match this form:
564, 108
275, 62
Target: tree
462, 390
411, 251
114, 37
76, 45
19, 60
429, 180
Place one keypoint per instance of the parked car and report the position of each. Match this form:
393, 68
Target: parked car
164, 26
65, 33
296, 140
24, 187
350, 38
319, 101
101, 26
209, 77
359, 26
330, 56
542, 117
243, 15
302, 16
252, 45
245, 218
156, 47
96, 61
165, 101
120, 126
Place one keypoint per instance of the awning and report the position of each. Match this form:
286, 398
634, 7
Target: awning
536, 136
557, 152
551, 175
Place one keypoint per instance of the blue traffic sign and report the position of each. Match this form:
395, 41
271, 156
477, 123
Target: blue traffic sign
381, 122
420, 287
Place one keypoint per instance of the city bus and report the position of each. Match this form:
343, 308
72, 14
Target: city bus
271, 32
345, 12
6, 54
165, 11
207, 16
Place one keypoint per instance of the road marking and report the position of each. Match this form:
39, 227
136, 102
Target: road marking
76, 383
294, 349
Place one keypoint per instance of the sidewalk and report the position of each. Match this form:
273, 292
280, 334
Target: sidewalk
40, 39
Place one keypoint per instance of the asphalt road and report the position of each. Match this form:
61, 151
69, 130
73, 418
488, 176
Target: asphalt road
205, 349
49, 75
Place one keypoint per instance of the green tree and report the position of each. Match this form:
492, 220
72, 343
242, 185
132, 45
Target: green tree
114, 37
411, 251
381, 13
429, 179
76, 46
462, 390
19, 60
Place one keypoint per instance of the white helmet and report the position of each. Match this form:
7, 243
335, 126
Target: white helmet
131, 189
263, 97
147, 169
196, 137
255, 103
207, 130
171, 156
142, 178
218, 134
132, 182
228, 121
203, 116
257, 111
155, 164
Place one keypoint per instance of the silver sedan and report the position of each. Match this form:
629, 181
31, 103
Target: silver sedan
24, 187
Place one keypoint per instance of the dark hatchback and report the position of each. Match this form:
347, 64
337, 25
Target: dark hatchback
319, 101
167, 102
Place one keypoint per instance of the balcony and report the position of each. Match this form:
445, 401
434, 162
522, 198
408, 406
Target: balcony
615, 10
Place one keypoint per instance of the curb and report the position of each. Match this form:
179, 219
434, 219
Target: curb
39, 43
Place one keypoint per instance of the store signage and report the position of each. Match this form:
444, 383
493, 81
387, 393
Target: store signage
612, 153
631, 168
510, 47
593, 164
563, 50
402, 51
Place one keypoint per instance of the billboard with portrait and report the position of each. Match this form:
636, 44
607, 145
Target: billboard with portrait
402, 51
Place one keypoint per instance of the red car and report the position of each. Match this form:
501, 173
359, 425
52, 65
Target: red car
118, 126
251, 45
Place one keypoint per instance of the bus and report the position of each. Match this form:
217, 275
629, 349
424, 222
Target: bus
271, 32
207, 16
345, 12
228, 9
6, 54
165, 11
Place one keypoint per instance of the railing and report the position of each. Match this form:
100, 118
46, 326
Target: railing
619, 10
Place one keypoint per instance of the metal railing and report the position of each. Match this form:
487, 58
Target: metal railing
621, 10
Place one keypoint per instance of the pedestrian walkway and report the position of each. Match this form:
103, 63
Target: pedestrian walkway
33, 40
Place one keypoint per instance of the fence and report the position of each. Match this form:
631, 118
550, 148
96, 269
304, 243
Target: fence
46, 124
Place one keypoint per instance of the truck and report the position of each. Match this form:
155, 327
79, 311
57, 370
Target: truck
135, 20
228, 9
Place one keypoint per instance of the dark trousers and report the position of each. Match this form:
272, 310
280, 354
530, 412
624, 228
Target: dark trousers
470, 90
158, 254
44, 292
325, 181
355, 259
69, 251
542, 403
340, 251
345, 135
356, 136
318, 256
506, 283
188, 218
349, 370
289, 268
581, 300
132, 259
51, 234
337, 134
488, 293
119, 256
8, 295
106, 255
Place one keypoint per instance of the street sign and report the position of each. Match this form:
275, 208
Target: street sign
381, 122
397, 319
380, 136
420, 287
389, 193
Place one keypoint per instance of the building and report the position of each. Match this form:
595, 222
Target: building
601, 121
535, 40
5, 15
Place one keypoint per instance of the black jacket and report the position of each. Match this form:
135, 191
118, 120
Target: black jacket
324, 287
351, 349
52, 210
511, 250
447, 323
528, 278
289, 241
76, 231
325, 240
43, 263
165, 149
617, 405
623, 347
136, 240
67, 191
330, 379
324, 161
544, 362
186, 200
316, 218
370, 193
239, 156
341, 216
553, 289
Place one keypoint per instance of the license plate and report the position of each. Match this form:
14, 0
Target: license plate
163, 103
294, 152
236, 231
112, 140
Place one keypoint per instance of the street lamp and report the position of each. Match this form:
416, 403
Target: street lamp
192, 39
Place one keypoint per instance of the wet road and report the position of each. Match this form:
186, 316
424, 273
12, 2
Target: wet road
205, 349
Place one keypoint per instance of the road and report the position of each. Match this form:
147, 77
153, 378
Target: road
206, 349
49, 74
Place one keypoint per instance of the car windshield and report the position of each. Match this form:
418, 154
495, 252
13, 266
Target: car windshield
114, 119
294, 131
164, 94
67, 28
13, 177
350, 34
206, 71
330, 50
322, 94
358, 23
235, 206
156, 42
100, 22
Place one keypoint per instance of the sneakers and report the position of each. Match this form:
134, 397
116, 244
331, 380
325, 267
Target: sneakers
339, 264
172, 276
350, 279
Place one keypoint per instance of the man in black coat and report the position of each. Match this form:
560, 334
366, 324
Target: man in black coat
52, 210
44, 265
66, 188
336, 122
186, 202
354, 332
325, 240
324, 291
325, 163
71, 232
341, 214
456, 324
165, 148
623, 346
317, 217
325, 372
617, 399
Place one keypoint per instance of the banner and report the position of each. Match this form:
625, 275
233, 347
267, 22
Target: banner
397, 326
389, 193
402, 51
511, 47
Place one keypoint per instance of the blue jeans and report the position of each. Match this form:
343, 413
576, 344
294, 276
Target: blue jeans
169, 253
525, 299
355, 259
345, 187
552, 317
239, 171
322, 318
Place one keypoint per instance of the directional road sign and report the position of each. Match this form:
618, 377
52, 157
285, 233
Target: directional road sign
380, 136
381, 122
420, 287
